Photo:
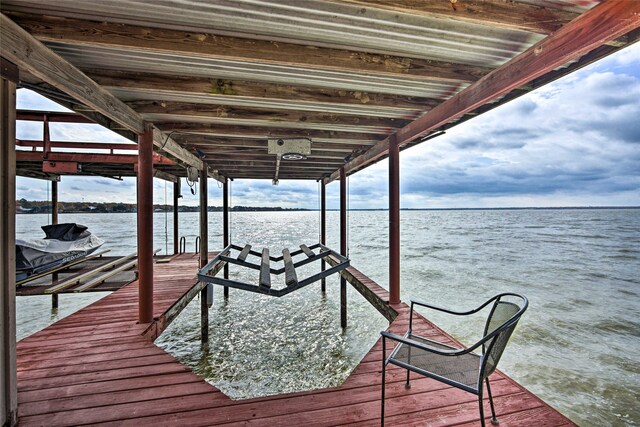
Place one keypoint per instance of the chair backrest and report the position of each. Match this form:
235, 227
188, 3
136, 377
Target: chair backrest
504, 316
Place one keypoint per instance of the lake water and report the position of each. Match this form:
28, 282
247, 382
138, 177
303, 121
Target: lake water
576, 347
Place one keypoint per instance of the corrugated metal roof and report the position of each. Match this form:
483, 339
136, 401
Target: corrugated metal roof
352, 101
241, 101
120, 59
313, 22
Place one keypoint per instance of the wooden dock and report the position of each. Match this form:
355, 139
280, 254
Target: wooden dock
98, 366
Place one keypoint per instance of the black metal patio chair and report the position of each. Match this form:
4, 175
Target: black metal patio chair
459, 367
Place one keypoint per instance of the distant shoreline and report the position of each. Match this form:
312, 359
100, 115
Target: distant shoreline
161, 208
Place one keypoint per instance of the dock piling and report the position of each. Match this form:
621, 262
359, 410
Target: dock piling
225, 228
323, 228
145, 225
343, 245
204, 253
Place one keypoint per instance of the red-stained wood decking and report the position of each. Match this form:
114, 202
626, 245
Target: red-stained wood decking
98, 366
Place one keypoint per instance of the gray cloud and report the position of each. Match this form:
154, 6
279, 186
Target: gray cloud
578, 136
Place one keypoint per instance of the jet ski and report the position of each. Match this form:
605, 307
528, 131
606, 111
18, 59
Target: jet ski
62, 244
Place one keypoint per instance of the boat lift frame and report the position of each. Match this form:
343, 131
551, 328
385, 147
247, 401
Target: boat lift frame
208, 273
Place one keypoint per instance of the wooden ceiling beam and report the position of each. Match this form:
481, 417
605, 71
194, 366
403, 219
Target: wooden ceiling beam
606, 21
241, 155
165, 176
52, 116
245, 93
174, 111
254, 132
229, 160
495, 13
272, 168
86, 157
244, 146
281, 177
202, 45
76, 144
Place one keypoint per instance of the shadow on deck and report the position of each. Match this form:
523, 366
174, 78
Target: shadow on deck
100, 366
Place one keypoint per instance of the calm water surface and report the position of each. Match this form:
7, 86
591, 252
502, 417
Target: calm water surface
576, 347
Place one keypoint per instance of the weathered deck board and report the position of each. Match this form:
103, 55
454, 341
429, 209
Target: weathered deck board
98, 366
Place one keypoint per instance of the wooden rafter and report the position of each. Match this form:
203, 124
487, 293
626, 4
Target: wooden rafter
497, 13
242, 146
269, 132
147, 39
260, 154
140, 86
187, 112
87, 157
589, 31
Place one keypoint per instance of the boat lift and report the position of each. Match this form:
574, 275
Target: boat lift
208, 273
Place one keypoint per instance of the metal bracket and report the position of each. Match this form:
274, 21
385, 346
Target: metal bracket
208, 273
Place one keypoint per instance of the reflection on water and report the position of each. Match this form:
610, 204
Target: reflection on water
576, 347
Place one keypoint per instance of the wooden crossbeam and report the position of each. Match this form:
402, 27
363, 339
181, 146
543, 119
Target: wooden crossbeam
244, 253
592, 29
51, 116
165, 176
87, 157
216, 113
308, 252
265, 270
495, 13
247, 145
240, 155
269, 132
76, 144
142, 86
290, 276
200, 45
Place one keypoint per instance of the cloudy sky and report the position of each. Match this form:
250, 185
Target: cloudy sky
574, 142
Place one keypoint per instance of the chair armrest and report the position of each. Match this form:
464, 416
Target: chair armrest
445, 310
421, 346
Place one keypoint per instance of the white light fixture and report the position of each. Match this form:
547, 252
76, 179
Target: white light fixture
293, 156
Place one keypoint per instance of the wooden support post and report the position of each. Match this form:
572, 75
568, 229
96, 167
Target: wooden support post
323, 228
225, 228
204, 252
145, 225
54, 202
204, 316
394, 220
54, 220
8, 386
176, 224
343, 245
204, 219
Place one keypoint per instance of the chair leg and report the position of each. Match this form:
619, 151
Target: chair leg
384, 355
481, 407
408, 385
382, 400
494, 420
